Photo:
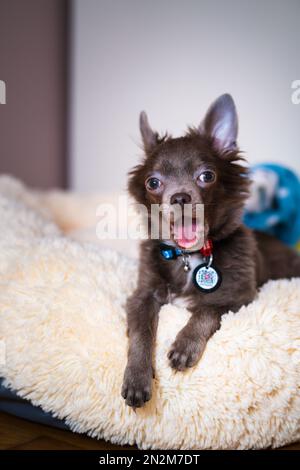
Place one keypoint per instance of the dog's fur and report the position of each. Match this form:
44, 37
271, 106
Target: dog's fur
245, 259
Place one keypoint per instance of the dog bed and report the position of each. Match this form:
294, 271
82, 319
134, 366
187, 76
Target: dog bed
63, 340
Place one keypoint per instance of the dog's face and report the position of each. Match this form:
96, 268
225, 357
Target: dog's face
198, 168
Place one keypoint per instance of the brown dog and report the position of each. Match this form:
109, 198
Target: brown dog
199, 168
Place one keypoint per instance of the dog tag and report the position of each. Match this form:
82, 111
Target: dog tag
207, 278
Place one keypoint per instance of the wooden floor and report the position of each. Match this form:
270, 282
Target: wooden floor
18, 434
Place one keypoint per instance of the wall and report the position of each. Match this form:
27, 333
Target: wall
173, 58
33, 36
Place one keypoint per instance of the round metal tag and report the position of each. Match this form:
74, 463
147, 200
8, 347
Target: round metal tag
207, 278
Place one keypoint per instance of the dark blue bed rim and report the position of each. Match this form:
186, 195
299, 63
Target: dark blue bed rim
14, 405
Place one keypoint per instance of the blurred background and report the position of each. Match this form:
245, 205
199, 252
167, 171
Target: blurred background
78, 73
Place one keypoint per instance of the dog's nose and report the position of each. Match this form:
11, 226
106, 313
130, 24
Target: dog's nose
181, 199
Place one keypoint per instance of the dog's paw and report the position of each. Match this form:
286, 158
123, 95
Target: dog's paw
136, 389
185, 352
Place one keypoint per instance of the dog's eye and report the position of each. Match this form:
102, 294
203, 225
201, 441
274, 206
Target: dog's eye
207, 176
153, 184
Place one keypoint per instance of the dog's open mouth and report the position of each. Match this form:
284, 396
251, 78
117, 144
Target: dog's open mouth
188, 232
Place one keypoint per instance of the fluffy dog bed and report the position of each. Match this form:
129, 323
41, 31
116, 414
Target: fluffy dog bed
63, 333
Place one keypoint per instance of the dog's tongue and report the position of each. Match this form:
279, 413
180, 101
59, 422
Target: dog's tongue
186, 234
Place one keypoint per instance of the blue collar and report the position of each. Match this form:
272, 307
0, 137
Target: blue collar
205, 276
169, 252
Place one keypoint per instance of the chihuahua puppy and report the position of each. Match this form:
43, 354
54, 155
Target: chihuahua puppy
202, 167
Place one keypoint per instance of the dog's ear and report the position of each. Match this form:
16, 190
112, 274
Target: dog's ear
221, 124
150, 137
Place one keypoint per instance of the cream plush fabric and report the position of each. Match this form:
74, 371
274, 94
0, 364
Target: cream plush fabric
62, 322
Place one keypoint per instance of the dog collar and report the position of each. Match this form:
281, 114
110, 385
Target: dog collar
169, 252
206, 278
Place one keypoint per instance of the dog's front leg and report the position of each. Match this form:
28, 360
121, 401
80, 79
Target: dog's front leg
142, 318
191, 341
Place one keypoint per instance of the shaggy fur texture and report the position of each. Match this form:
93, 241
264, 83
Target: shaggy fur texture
63, 322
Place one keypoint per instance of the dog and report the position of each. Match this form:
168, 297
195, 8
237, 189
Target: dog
204, 167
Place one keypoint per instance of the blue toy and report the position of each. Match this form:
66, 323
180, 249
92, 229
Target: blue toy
274, 203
